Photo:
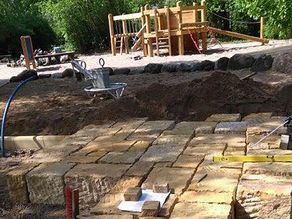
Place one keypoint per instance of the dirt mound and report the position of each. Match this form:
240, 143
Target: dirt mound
194, 100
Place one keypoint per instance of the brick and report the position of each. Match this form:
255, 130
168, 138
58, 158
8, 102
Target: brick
178, 178
162, 153
45, 183
127, 157
133, 194
231, 128
17, 185
186, 161
150, 208
224, 118
161, 188
202, 211
94, 180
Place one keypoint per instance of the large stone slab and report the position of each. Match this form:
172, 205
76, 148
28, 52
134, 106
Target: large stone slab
224, 118
106, 146
17, 185
128, 157
271, 142
205, 149
94, 180
268, 126
231, 128
80, 159
186, 161
140, 168
172, 139
45, 183
234, 151
230, 139
208, 197
202, 211
162, 153
257, 198
140, 146
151, 129
273, 169
178, 178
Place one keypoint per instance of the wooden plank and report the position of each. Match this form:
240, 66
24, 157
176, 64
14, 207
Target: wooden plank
238, 35
127, 16
156, 31
126, 38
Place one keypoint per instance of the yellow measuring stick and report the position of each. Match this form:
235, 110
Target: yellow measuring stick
253, 158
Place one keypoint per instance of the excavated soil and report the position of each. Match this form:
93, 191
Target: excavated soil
51, 106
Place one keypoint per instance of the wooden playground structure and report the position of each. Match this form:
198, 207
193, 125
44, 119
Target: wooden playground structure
171, 31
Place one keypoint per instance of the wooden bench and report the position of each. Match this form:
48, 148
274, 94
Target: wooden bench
57, 56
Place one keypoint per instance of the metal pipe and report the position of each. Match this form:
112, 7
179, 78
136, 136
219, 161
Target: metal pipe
22, 83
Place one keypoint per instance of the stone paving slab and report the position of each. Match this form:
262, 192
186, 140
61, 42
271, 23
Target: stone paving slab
166, 175
202, 211
234, 151
81, 159
207, 197
119, 145
140, 146
231, 128
268, 126
45, 183
224, 118
186, 161
162, 153
94, 180
128, 157
272, 142
107, 217
140, 168
205, 149
230, 139
172, 139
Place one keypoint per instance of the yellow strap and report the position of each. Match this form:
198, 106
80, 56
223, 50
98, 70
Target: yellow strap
253, 158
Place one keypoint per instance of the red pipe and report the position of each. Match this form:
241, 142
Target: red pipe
68, 200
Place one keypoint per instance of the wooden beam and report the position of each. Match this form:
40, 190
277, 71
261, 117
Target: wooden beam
126, 38
112, 33
238, 35
156, 31
167, 11
127, 16
262, 36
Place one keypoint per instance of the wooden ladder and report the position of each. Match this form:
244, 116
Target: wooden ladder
165, 41
120, 44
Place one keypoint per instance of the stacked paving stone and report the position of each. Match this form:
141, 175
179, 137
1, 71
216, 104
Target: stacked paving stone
104, 161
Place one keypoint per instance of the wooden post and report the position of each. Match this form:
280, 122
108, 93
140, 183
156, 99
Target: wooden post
181, 48
112, 34
144, 46
204, 19
168, 30
125, 36
148, 30
156, 31
262, 34
195, 13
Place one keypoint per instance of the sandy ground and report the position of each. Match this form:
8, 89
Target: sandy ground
120, 61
